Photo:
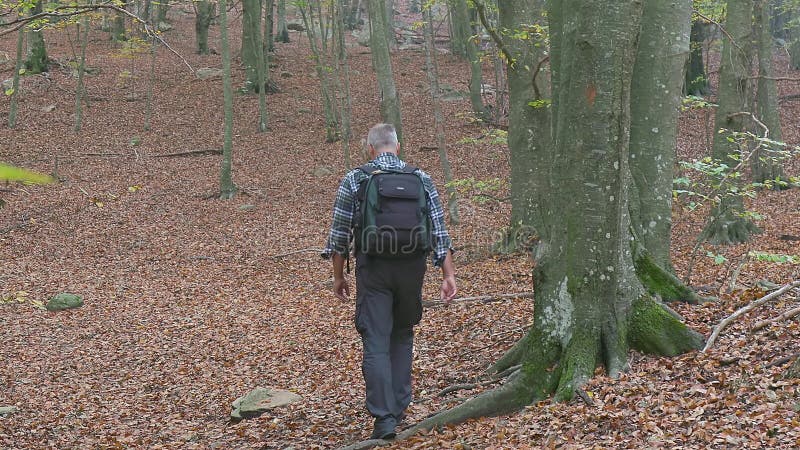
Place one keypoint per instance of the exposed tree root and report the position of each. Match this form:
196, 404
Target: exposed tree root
659, 281
729, 229
653, 329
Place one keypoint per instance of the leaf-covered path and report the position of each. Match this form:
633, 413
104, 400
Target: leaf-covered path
187, 309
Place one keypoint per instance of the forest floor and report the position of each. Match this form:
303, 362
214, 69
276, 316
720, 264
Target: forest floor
190, 303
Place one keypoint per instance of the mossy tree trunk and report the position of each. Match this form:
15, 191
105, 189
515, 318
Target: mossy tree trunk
382, 64
226, 187
36, 60
529, 118
727, 224
696, 79
205, 14
591, 308
432, 70
664, 43
251, 42
765, 165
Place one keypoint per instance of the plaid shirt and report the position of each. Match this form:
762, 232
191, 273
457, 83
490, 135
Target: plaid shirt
345, 205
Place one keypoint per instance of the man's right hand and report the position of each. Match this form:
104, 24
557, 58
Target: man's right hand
341, 288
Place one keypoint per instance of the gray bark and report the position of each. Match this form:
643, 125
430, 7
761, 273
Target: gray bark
591, 308
766, 166
226, 187
528, 126
205, 13
80, 90
459, 27
12, 112
727, 226
251, 41
36, 61
318, 32
660, 61
696, 79
283, 32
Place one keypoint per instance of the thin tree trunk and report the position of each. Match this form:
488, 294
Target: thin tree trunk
269, 26
696, 79
36, 61
226, 187
342, 74
118, 25
283, 32
433, 81
12, 112
151, 82
382, 64
766, 166
205, 13
80, 90
319, 50
460, 30
251, 41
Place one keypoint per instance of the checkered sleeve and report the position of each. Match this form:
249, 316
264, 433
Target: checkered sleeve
341, 226
442, 241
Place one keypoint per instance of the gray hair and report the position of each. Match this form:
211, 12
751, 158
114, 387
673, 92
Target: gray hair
381, 136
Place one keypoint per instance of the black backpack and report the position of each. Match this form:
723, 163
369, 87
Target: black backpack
392, 218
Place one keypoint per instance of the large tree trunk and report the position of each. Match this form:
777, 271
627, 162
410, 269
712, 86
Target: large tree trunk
660, 62
766, 166
727, 224
382, 64
591, 308
528, 126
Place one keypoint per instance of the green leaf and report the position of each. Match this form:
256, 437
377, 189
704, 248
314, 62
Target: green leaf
10, 91
11, 173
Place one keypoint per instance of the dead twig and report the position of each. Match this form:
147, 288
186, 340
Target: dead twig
480, 298
190, 153
781, 361
303, 250
745, 309
786, 315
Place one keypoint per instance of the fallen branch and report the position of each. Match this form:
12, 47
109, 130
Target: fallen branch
745, 309
281, 255
464, 386
787, 315
781, 361
189, 153
481, 299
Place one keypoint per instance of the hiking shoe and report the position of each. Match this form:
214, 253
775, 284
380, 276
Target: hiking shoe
384, 428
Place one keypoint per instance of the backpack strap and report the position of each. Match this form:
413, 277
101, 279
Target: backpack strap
368, 169
409, 168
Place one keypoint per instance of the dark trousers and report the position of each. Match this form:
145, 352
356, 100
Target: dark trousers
388, 305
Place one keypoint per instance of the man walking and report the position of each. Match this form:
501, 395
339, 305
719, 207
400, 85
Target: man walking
389, 268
